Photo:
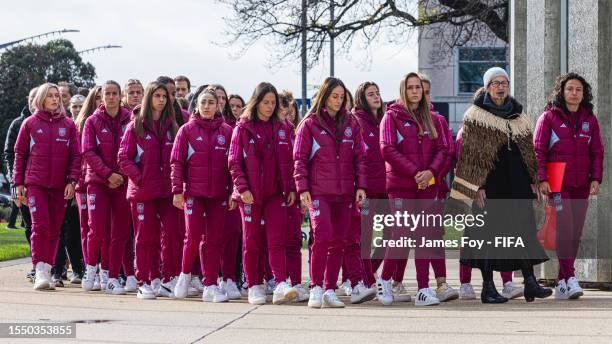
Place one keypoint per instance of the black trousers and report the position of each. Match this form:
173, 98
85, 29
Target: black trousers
70, 243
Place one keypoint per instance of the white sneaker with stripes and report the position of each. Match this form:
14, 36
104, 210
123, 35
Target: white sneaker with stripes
426, 297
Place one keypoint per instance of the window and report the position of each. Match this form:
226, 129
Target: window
474, 62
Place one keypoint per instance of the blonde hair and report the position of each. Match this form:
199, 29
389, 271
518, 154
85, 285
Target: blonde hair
422, 115
41, 94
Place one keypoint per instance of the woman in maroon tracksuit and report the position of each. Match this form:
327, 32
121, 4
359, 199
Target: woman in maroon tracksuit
260, 164
568, 131
144, 157
330, 176
200, 184
415, 154
368, 111
294, 212
91, 103
106, 188
46, 169
232, 231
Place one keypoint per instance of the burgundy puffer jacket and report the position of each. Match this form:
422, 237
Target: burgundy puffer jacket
146, 162
199, 158
375, 164
405, 152
246, 155
47, 151
101, 140
329, 165
573, 139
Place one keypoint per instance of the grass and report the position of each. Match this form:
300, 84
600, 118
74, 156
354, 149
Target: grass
13, 243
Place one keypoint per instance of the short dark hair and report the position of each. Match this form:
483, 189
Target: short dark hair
165, 80
183, 78
70, 86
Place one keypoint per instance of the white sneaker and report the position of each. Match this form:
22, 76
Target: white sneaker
213, 293
131, 284
89, 278
512, 290
426, 297
96, 285
331, 300
145, 292
75, 279
167, 289
284, 293
103, 279
466, 292
361, 294
196, 283
400, 294
231, 289
303, 294
42, 280
315, 300
384, 292
445, 293
257, 295
182, 286
270, 286
561, 291
155, 285
345, 288
114, 287
573, 288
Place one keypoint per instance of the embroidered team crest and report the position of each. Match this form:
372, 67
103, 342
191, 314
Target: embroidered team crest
32, 201
247, 209
282, 134
92, 198
221, 140
189, 202
169, 136
140, 208
315, 203
585, 126
348, 132
62, 132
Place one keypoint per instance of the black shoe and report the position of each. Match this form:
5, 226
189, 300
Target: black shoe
489, 294
533, 290
57, 281
30, 275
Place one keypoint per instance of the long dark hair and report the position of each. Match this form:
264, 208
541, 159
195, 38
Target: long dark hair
362, 103
325, 91
250, 109
146, 112
226, 112
557, 98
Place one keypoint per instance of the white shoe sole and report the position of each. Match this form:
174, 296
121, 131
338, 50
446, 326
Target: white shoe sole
402, 298
145, 297
363, 298
331, 305
44, 285
468, 297
426, 303
445, 298
576, 295
315, 304
288, 297
516, 294
257, 301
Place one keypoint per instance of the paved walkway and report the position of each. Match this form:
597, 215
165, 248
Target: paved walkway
102, 319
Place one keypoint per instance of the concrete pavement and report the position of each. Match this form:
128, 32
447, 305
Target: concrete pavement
101, 318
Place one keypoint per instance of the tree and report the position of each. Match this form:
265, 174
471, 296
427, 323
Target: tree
27, 66
458, 22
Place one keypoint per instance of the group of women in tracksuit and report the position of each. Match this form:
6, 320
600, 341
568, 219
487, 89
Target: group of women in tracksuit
189, 188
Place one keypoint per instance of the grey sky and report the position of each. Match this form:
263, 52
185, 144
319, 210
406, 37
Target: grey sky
176, 37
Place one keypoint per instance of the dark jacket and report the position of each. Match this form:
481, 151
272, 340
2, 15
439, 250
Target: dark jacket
11, 138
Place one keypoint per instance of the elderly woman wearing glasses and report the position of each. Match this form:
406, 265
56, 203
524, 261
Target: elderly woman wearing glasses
497, 173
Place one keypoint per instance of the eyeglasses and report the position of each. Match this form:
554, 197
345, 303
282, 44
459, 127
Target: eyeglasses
496, 84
